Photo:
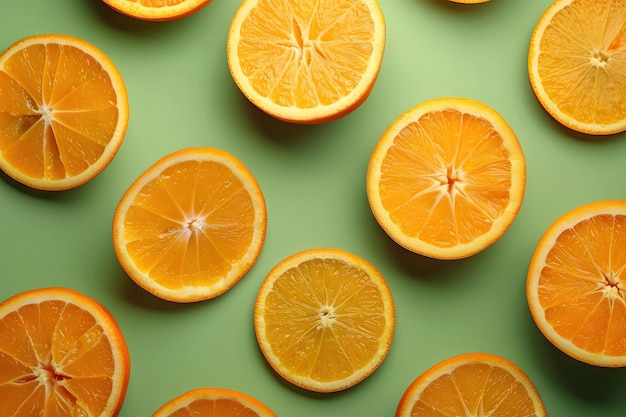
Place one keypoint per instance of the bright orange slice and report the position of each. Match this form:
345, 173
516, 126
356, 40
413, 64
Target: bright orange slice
191, 226
157, 10
472, 384
469, 1
576, 285
324, 319
306, 62
214, 402
447, 178
62, 354
577, 62
63, 111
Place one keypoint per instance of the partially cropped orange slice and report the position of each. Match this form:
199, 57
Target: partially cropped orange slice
63, 111
157, 10
303, 61
447, 178
214, 402
62, 354
324, 319
576, 285
472, 384
577, 62
469, 1
191, 226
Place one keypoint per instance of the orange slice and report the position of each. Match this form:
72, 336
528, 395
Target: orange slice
472, 384
447, 178
157, 10
576, 285
191, 226
214, 402
62, 354
469, 1
576, 64
324, 319
306, 62
63, 111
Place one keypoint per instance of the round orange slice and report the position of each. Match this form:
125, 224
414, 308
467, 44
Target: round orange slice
469, 1
214, 402
472, 384
306, 62
576, 64
324, 319
191, 226
447, 178
157, 10
63, 111
61, 354
576, 284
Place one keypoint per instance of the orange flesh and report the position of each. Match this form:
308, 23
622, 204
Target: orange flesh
157, 3
475, 390
302, 315
459, 174
582, 288
57, 346
305, 58
57, 111
582, 65
219, 407
182, 236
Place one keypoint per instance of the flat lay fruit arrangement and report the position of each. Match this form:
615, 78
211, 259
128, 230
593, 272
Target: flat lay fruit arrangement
346, 207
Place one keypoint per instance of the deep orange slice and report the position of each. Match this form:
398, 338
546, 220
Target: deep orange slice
63, 111
191, 226
62, 354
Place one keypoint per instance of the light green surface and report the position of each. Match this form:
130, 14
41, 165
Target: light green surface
181, 95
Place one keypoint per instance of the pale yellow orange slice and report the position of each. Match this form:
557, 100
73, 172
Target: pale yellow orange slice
577, 62
324, 319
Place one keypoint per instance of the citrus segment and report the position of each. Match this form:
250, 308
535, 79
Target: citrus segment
324, 319
62, 354
306, 62
447, 178
577, 62
63, 111
576, 287
157, 10
191, 226
472, 384
214, 402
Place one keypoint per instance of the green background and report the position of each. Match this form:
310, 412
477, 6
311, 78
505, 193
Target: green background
181, 95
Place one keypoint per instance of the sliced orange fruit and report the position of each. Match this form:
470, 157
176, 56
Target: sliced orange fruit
157, 10
447, 178
577, 62
576, 284
63, 111
62, 354
472, 384
191, 226
469, 1
214, 402
306, 62
324, 319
